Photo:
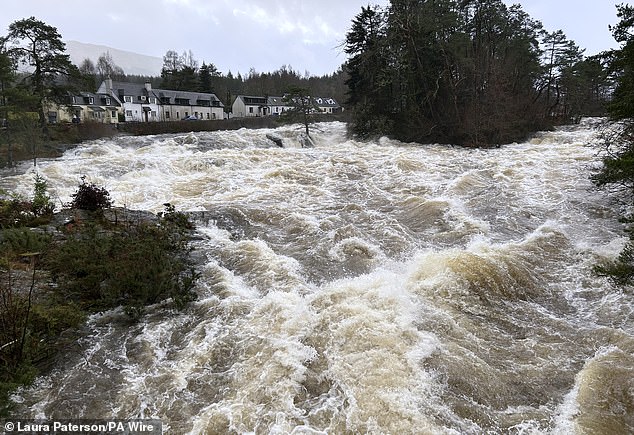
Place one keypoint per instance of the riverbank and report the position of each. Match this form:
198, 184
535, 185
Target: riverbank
58, 268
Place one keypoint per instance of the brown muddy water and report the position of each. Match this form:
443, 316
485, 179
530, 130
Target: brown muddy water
361, 287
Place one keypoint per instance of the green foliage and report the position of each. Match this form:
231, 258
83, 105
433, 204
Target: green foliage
476, 73
301, 106
132, 266
16, 211
21, 240
620, 271
90, 197
41, 203
618, 140
97, 266
39, 45
24, 374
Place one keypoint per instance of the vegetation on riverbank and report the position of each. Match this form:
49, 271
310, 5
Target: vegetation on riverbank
474, 73
57, 268
618, 141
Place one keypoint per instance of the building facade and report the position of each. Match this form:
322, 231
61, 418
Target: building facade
141, 103
86, 107
245, 106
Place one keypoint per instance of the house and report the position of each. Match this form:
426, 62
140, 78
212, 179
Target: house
277, 106
141, 103
327, 105
86, 106
138, 101
177, 105
246, 106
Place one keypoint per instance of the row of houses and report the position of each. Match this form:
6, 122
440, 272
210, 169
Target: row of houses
133, 102
250, 106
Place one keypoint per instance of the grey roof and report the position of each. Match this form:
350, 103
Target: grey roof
276, 101
279, 101
135, 90
98, 99
325, 102
191, 96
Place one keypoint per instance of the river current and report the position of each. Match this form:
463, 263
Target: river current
361, 287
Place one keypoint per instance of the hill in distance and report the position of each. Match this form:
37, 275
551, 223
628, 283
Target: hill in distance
131, 63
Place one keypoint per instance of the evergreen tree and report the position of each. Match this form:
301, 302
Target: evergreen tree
365, 44
455, 71
301, 106
39, 45
618, 165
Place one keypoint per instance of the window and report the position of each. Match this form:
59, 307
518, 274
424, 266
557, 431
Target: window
153, 113
250, 109
207, 115
177, 115
114, 113
127, 99
91, 100
107, 101
128, 113
167, 115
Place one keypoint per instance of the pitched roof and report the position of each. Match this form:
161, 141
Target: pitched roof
138, 89
191, 96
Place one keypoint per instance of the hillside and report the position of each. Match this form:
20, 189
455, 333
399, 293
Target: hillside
132, 63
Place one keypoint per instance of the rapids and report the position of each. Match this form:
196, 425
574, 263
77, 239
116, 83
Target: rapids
358, 287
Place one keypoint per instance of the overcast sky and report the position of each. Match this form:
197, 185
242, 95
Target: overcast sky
264, 34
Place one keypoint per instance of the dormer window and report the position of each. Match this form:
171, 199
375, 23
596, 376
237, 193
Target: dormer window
91, 100
127, 99
107, 101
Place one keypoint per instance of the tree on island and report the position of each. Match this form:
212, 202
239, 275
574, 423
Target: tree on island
475, 73
301, 106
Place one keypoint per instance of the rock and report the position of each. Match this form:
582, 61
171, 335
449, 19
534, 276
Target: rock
276, 139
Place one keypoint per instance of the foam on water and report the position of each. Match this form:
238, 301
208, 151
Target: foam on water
361, 287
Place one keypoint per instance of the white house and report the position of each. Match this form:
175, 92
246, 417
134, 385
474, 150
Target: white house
138, 102
277, 106
327, 105
144, 104
245, 106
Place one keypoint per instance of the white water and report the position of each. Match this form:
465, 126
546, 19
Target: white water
362, 288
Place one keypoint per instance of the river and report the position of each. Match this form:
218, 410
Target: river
361, 287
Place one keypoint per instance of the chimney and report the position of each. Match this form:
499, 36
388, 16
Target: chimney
108, 85
148, 86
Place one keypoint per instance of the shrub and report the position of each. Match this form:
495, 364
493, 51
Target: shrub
41, 204
90, 197
128, 265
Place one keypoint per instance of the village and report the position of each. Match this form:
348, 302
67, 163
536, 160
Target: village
116, 101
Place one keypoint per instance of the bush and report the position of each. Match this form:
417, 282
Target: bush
90, 197
19, 212
129, 265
